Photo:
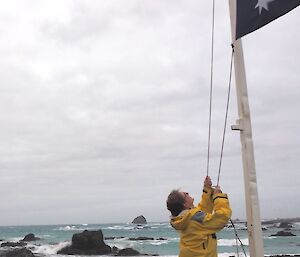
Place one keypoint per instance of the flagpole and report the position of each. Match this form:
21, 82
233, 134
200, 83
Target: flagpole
244, 126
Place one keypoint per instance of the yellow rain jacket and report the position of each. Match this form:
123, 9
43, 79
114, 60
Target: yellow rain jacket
197, 226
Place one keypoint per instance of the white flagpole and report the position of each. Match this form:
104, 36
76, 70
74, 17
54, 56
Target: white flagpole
244, 126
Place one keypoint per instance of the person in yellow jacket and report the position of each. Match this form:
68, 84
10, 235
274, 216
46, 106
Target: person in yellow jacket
197, 225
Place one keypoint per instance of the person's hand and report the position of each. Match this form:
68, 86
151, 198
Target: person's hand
217, 190
207, 182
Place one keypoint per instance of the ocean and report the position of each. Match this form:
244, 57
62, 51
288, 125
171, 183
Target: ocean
165, 243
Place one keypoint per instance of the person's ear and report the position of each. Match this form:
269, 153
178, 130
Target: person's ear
185, 205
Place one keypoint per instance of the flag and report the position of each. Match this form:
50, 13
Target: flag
253, 14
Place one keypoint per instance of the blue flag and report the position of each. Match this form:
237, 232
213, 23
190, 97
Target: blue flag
253, 14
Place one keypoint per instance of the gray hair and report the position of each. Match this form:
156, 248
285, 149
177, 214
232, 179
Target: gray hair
175, 202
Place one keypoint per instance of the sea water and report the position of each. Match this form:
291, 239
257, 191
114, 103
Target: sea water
165, 243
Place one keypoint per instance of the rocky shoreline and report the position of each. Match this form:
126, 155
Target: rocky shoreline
23, 252
92, 242
280, 220
84, 243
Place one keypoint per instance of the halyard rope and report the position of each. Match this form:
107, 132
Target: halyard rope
211, 84
226, 114
237, 238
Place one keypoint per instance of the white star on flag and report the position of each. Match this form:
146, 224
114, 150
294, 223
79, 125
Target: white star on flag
263, 4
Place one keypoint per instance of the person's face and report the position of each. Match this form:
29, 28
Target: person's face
188, 200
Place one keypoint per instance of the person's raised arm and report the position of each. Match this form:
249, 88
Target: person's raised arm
215, 221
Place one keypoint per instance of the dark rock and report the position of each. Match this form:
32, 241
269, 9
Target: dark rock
87, 243
30, 237
141, 238
285, 225
128, 252
91, 243
21, 252
88, 239
13, 244
115, 250
114, 237
139, 220
283, 233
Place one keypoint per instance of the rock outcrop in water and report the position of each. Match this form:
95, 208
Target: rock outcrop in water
285, 225
283, 233
87, 243
30, 237
21, 252
13, 244
92, 243
128, 252
139, 220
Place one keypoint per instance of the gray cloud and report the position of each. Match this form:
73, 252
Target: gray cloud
104, 107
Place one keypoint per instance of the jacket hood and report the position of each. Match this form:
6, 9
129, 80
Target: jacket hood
181, 221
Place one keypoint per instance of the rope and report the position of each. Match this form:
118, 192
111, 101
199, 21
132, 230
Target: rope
237, 246
211, 84
222, 148
237, 238
226, 114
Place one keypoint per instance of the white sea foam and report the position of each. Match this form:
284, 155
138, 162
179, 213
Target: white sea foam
231, 242
124, 245
75, 228
118, 227
128, 227
269, 237
45, 236
48, 248
67, 228
14, 239
159, 225
159, 242
173, 239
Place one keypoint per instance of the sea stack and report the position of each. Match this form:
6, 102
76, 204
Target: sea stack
139, 220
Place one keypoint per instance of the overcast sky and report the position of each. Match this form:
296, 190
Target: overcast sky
104, 109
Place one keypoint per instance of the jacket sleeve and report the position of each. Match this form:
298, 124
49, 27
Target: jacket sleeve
215, 221
206, 204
